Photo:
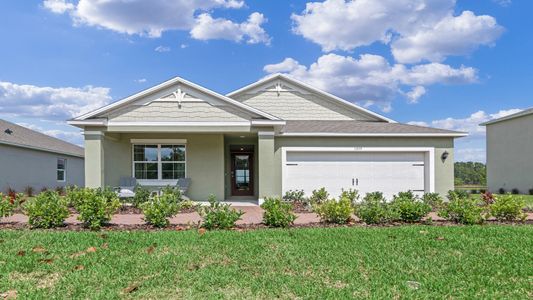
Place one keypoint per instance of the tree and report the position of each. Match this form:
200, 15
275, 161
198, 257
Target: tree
470, 173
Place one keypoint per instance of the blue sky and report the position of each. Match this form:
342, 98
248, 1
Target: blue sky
442, 63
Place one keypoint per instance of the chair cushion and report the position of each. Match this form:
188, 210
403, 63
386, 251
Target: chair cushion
126, 193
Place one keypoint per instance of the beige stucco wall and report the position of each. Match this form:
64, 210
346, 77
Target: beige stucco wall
443, 170
510, 154
307, 106
205, 160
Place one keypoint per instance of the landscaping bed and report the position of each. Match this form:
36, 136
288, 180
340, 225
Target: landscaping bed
421, 262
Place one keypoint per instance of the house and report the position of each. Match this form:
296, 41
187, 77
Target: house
510, 152
32, 159
274, 135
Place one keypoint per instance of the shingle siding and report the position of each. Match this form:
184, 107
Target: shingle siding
169, 111
298, 106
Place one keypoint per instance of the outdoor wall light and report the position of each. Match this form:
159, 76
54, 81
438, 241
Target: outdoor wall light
444, 156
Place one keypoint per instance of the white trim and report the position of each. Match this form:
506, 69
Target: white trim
193, 123
159, 141
93, 132
168, 83
91, 122
429, 181
159, 181
64, 169
315, 90
325, 134
267, 123
265, 133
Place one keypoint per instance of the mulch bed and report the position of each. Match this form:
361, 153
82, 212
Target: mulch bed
300, 207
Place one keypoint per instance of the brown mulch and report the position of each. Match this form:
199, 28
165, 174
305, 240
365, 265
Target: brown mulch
300, 208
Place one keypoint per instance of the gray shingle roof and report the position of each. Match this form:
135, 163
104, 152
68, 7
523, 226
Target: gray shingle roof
25, 137
359, 127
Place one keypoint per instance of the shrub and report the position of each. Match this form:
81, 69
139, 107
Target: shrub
75, 195
294, 196
464, 211
46, 210
187, 204
174, 191
457, 194
218, 215
319, 196
159, 209
29, 191
374, 209
488, 198
60, 190
277, 213
97, 207
409, 208
508, 208
434, 200
142, 195
6, 206
333, 211
350, 194
501, 191
515, 191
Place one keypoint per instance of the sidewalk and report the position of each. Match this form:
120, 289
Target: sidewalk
252, 215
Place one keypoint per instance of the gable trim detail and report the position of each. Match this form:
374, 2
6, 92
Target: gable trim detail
303, 85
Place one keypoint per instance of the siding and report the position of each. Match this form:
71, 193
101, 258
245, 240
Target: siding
22, 167
298, 106
510, 154
169, 111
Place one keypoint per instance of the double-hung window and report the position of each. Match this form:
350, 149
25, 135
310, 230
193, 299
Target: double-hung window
61, 168
158, 161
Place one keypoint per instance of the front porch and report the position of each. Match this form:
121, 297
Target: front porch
236, 167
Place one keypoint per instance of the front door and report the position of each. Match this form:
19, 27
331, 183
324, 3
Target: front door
242, 183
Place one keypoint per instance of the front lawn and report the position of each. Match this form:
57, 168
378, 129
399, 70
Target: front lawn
376, 262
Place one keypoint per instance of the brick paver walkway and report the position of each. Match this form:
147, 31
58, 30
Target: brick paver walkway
252, 215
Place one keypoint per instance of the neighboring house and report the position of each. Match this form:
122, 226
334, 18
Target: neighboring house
275, 135
510, 152
32, 159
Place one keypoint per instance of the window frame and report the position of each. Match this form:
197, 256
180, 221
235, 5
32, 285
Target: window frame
159, 162
64, 169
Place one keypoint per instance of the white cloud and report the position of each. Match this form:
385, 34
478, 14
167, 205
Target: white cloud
145, 18
503, 3
58, 6
416, 29
471, 148
50, 103
161, 49
208, 28
140, 80
451, 36
370, 79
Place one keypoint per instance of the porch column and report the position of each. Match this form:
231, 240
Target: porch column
265, 145
94, 159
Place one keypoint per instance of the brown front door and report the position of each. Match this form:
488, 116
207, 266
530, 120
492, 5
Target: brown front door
242, 182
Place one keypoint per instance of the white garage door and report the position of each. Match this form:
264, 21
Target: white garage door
387, 172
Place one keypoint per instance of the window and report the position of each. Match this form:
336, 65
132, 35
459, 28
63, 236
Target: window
61, 169
159, 162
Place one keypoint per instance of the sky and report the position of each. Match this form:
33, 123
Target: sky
439, 63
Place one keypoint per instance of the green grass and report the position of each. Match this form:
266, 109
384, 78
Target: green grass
323, 263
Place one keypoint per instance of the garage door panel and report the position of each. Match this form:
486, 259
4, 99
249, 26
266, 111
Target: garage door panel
387, 172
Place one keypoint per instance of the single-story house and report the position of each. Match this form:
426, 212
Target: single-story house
32, 159
510, 152
272, 136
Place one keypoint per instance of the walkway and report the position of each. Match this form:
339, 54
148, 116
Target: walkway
252, 215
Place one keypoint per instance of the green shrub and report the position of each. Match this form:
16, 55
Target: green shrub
434, 200
75, 195
464, 211
319, 196
97, 207
46, 210
187, 204
333, 211
142, 195
294, 196
409, 207
218, 215
174, 191
508, 208
7, 205
374, 209
159, 209
350, 194
277, 213
457, 194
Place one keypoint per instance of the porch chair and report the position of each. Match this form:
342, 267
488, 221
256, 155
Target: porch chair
126, 187
183, 184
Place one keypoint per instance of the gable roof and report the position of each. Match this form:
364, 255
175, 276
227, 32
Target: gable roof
24, 137
523, 113
361, 128
279, 76
166, 84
